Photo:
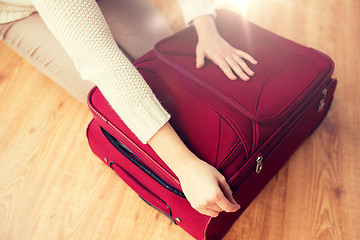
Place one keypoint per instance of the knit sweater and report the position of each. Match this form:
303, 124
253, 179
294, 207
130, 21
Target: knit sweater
83, 32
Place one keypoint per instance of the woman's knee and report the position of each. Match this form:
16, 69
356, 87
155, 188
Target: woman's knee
32, 40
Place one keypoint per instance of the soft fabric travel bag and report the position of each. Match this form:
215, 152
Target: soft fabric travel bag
247, 130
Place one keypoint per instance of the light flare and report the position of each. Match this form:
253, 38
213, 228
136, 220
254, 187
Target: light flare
239, 5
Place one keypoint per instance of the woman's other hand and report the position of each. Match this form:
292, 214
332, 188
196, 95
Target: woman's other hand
205, 188
212, 46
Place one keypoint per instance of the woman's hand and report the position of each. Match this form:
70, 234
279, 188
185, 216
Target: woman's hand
212, 46
204, 187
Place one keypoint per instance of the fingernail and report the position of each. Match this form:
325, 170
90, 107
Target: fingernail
237, 207
199, 65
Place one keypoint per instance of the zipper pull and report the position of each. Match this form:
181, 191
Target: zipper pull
322, 101
259, 164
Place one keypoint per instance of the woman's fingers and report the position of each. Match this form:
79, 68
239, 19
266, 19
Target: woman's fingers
224, 66
246, 56
225, 188
238, 68
226, 200
214, 207
222, 199
232, 63
243, 65
219, 205
230, 60
209, 212
200, 58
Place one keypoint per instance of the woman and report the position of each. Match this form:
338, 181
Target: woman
93, 40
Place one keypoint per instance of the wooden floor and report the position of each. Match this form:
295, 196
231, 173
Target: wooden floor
53, 187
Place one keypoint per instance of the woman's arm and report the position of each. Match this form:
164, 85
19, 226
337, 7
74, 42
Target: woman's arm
205, 188
82, 30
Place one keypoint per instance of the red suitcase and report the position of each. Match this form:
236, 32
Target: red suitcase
247, 130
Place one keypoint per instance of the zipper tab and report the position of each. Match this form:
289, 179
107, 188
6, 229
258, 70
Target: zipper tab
259, 164
322, 101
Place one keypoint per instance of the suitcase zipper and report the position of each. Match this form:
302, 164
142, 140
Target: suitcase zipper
165, 174
322, 101
259, 164
253, 117
137, 162
260, 159
261, 156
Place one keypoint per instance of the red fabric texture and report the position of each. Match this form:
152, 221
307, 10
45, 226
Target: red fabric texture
227, 123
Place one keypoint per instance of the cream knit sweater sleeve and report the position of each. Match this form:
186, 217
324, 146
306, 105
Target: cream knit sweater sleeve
83, 32
81, 29
192, 9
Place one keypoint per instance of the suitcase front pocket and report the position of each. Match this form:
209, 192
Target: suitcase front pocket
137, 162
139, 180
144, 193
